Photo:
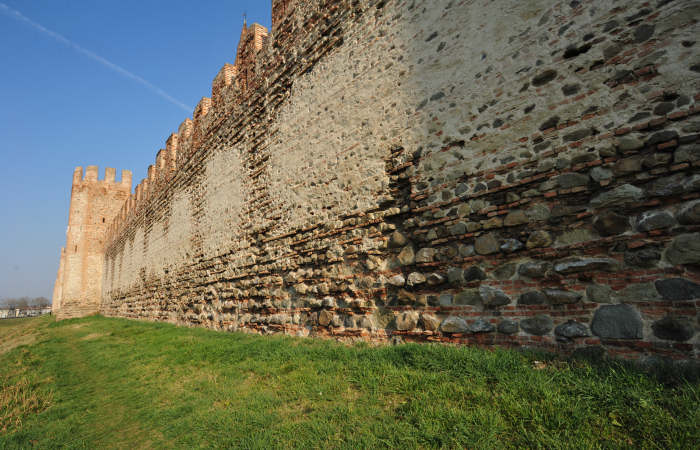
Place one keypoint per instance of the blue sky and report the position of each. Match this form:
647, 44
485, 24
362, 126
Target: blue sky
60, 108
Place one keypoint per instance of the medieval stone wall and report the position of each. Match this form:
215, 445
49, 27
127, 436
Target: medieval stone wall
480, 172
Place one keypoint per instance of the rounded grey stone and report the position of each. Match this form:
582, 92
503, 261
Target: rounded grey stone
481, 326
611, 223
631, 164
468, 297
337, 321
662, 136
687, 153
599, 293
455, 275
572, 329
685, 249
691, 184
430, 322
617, 322
673, 329
435, 279
458, 228
464, 210
638, 292
629, 143
425, 255
671, 185
454, 324
508, 326
677, 289
325, 317
538, 325
514, 218
461, 189
407, 256
601, 174
532, 298
576, 265
533, 269
655, 220
415, 278
539, 238
538, 212
474, 273
511, 245
493, 297
486, 244
407, 320
560, 296
445, 300
406, 298
397, 240
621, 195
397, 280
572, 179
504, 271
689, 213
645, 257
466, 250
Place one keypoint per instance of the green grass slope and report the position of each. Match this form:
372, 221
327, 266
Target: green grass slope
111, 383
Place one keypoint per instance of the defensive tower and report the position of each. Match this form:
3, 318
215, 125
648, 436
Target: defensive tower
94, 204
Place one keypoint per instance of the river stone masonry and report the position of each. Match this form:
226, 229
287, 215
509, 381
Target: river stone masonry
491, 173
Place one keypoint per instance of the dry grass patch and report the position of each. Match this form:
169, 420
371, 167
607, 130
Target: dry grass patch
17, 401
20, 396
17, 332
93, 336
15, 341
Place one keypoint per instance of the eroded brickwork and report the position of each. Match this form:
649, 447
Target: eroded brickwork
489, 173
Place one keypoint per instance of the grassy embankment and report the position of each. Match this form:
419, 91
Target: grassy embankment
98, 382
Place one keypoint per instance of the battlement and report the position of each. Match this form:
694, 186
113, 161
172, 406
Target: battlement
191, 132
92, 176
202, 108
223, 79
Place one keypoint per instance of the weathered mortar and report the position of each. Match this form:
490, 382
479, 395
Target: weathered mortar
490, 173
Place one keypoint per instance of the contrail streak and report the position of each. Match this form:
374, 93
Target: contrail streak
95, 57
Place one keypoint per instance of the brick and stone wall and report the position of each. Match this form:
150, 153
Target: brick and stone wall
478, 172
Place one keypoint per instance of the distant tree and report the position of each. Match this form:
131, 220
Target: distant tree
10, 302
41, 302
24, 302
